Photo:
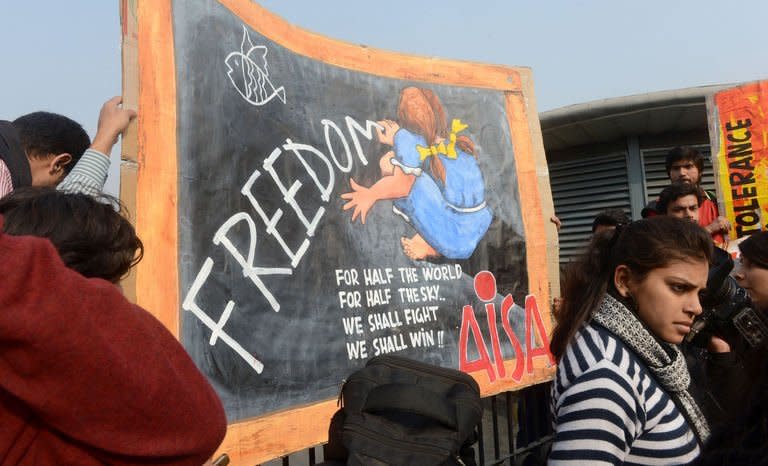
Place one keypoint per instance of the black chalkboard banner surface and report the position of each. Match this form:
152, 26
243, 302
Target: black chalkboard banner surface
307, 204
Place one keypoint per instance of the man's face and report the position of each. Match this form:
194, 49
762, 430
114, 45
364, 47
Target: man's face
754, 279
685, 171
685, 207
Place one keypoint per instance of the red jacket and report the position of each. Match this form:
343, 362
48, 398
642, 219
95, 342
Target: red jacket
87, 378
708, 214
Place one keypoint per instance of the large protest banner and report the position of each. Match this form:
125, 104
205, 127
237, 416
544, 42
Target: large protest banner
738, 128
306, 204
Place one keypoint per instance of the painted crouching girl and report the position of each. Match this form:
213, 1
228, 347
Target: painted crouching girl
434, 178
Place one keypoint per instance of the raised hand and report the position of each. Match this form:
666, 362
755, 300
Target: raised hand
720, 224
113, 120
361, 199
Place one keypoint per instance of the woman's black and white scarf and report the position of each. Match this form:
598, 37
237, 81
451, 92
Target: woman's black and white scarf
664, 360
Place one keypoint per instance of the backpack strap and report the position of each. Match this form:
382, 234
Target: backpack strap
14, 156
413, 399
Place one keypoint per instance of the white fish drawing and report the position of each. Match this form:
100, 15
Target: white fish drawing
248, 72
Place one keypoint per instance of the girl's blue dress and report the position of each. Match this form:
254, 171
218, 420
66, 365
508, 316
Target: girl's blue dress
452, 217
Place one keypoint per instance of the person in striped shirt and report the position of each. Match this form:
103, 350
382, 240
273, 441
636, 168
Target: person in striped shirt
47, 149
621, 394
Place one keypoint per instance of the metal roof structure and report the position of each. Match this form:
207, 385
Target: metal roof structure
610, 154
599, 121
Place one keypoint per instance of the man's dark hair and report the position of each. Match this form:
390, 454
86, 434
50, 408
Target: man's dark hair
90, 233
681, 153
610, 218
755, 248
44, 133
674, 192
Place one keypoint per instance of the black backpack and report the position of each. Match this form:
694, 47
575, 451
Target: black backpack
397, 411
13, 156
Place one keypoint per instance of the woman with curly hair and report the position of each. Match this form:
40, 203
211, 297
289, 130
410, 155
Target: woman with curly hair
90, 234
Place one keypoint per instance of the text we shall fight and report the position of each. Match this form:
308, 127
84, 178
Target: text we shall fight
388, 310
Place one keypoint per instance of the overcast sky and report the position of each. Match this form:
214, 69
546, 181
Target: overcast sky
65, 56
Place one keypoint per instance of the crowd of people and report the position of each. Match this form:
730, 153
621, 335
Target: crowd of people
86, 377
632, 386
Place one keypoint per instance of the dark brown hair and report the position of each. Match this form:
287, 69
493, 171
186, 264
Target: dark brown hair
90, 233
43, 133
642, 246
421, 112
610, 218
755, 248
674, 192
681, 153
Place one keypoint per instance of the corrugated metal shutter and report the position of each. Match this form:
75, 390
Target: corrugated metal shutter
656, 177
583, 188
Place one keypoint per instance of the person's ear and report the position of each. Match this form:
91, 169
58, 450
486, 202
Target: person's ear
58, 163
621, 280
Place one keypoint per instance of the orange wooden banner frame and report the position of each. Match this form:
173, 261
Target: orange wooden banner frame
150, 177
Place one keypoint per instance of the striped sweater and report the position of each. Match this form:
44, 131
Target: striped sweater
88, 176
608, 409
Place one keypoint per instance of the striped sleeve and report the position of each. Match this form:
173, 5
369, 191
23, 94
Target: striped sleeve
608, 409
6, 182
88, 176
596, 418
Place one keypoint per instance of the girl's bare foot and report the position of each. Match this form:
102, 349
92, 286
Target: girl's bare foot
416, 248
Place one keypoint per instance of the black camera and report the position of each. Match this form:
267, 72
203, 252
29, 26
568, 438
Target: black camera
728, 311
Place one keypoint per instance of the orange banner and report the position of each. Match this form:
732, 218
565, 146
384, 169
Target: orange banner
742, 157
253, 128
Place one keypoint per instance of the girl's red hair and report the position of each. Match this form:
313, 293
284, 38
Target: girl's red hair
421, 112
